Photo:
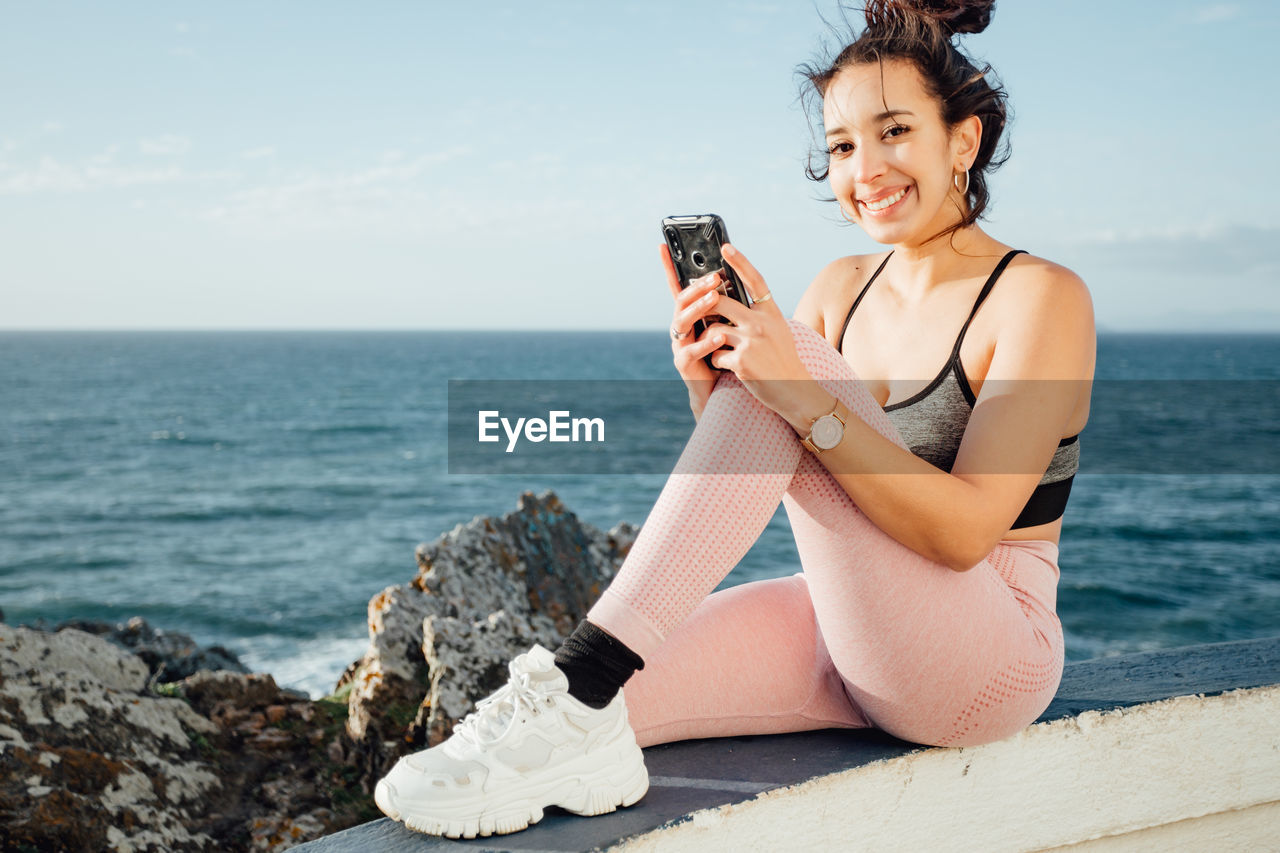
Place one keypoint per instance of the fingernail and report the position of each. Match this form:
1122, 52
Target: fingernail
726, 249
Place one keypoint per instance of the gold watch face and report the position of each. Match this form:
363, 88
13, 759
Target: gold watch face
827, 432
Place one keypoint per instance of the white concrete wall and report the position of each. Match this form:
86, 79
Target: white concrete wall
1255, 829
1189, 773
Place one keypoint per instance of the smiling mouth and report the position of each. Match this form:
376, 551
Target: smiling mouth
886, 202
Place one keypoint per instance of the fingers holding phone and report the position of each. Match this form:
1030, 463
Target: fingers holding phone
698, 277
690, 349
692, 305
693, 252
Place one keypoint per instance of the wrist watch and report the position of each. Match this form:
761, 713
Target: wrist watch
826, 431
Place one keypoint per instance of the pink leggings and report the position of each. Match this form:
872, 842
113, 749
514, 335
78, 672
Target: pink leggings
871, 634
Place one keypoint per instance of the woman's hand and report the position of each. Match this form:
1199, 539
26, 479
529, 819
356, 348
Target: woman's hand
760, 349
692, 304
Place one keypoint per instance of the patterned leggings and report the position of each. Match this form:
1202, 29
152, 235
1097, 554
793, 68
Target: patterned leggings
870, 634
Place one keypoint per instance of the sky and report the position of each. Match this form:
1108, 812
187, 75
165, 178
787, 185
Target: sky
422, 165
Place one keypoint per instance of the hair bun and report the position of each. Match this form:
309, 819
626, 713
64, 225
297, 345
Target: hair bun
953, 16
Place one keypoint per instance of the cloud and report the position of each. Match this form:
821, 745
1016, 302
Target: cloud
434, 196
50, 175
394, 168
389, 196
1206, 279
166, 145
1216, 251
259, 153
95, 173
1216, 13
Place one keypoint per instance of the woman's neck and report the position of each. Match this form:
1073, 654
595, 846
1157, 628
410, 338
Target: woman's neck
917, 270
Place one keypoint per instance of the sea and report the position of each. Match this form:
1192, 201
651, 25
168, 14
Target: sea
256, 489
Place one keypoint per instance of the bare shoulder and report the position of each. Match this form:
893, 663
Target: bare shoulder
833, 290
1047, 314
1042, 285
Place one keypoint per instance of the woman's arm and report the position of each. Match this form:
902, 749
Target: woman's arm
1042, 363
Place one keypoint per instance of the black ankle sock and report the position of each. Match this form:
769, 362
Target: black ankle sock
597, 664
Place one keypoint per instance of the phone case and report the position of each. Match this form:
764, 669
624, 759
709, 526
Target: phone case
694, 242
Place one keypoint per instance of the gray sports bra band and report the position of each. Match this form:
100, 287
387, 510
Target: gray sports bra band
939, 413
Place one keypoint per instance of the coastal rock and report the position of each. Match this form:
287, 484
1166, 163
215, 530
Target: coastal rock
95, 756
89, 760
169, 655
484, 592
123, 737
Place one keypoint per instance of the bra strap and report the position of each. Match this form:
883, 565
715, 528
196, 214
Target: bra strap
854, 307
986, 288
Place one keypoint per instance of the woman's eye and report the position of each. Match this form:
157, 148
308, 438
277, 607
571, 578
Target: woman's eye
896, 130
840, 148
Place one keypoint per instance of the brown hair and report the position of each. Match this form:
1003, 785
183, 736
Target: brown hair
920, 32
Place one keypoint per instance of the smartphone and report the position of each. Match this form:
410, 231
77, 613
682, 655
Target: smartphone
694, 242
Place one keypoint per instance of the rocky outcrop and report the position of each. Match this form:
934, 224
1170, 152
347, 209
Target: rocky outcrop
89, 760
484, 592
128, 738
169, 655
93, 758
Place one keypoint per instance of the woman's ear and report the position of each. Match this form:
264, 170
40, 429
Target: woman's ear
965, 139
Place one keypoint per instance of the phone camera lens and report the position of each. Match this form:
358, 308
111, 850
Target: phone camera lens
699, 260
673, 243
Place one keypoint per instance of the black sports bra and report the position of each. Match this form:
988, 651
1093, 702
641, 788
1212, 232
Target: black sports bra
933, 421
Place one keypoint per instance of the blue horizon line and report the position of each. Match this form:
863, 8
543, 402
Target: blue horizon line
276, 330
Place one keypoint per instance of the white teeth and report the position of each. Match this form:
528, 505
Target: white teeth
885, 202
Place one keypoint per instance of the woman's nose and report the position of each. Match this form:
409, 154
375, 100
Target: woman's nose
868, 165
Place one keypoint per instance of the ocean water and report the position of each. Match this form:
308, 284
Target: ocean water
257, 489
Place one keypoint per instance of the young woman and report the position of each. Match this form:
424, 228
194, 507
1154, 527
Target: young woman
926, 513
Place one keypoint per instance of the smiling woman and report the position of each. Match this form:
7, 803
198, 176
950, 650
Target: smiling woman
970, 100
927, 527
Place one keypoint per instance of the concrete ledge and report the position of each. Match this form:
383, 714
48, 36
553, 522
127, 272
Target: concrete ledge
1116, 762
1058, 783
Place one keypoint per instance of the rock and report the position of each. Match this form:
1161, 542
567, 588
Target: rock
484, 592
210, 692
169, 655
104, 747
91, 758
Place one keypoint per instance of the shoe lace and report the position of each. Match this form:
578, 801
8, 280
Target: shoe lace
495, 714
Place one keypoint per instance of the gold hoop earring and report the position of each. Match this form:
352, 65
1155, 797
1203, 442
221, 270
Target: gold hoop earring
955, 181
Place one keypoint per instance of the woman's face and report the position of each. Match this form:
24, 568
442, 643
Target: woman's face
892, 158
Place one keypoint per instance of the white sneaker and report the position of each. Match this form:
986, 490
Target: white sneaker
528, 746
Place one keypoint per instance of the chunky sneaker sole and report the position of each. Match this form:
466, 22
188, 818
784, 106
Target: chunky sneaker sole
527, 747
588, 788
